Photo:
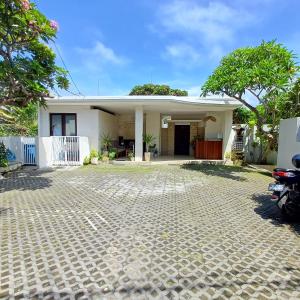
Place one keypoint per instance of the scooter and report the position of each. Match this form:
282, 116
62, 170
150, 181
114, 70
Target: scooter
286, 189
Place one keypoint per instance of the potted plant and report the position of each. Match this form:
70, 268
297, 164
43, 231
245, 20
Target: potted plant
106, 143
94, 157
148, 140
130, 155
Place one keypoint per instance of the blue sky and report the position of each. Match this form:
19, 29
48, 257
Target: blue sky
119, 44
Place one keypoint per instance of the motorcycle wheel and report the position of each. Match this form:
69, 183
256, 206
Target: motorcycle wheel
291, 209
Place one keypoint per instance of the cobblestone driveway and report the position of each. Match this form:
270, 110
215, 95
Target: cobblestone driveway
167, 232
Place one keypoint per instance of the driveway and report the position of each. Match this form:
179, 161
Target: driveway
164, 232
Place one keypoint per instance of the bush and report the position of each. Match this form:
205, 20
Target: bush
3, 156
86, 161
112, 155
94, 153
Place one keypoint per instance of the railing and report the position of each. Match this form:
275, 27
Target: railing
65, 150
238, 146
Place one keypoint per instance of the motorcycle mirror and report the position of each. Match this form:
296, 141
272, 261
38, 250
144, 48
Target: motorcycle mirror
296, 161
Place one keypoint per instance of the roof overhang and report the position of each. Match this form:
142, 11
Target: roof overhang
164, 104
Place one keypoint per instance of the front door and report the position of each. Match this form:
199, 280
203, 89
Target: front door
182, 140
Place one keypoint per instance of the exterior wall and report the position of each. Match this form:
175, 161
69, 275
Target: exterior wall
289, 142
153, 124
164, 141
214, 129
87, 121
171, 139
228, 135
126, 126
108, 125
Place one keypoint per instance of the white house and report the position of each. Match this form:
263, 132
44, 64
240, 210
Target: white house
71, 126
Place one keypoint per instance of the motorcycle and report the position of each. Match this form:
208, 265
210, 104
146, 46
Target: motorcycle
286, 189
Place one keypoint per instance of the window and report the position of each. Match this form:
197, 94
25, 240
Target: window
63, 125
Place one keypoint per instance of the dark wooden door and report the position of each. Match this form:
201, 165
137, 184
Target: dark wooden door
182, 140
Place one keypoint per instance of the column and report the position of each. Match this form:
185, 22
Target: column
139, 120
228, 133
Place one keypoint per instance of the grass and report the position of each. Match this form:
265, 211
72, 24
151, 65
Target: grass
109, 168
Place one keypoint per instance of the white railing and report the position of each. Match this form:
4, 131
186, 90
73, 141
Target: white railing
23, 148
66, 150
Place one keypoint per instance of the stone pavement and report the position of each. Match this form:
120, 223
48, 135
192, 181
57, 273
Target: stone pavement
164, 232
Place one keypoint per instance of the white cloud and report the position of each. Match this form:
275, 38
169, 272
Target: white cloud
182, 54
98, 55
214, 22
211, 28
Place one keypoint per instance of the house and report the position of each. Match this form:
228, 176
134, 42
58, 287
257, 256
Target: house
71, 126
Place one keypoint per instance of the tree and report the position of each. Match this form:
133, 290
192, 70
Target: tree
156, 89
16, 120
27, 64
241, 115
260, 74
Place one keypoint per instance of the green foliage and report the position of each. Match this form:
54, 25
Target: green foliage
94, 153
157, 89
148, 140
27, 64
241, 115
19, 120
106, 141
265, 72
86, 161
112, 155
3, 156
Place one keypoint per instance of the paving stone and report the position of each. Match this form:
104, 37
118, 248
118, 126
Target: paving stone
171, 232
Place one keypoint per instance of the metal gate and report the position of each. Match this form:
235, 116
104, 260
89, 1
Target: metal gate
65, 150
29, 151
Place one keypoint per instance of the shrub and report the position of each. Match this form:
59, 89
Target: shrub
94, 153
3, 156
86, 161
112, 155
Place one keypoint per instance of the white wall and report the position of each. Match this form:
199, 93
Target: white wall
108, 125
153, 124
212, 129
87, 121
228, 135
289, 142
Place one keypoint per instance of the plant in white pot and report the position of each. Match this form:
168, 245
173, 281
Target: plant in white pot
148, 140
94, 157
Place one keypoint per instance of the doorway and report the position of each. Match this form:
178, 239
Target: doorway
182, 140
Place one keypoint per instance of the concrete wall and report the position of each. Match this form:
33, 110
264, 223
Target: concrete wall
289, 142
108, 125
213, 129
228, 135
126, 126
153, 124
87, 121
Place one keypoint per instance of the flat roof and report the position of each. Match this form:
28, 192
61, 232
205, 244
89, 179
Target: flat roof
85, 100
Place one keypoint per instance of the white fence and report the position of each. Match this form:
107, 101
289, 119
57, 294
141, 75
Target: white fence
289, 142
65, 150
23, 148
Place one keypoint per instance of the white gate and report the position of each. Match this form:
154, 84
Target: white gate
65, 150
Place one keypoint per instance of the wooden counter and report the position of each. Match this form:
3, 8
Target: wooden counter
208, 150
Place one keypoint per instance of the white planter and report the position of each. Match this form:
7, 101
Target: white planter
94, 160
147, 156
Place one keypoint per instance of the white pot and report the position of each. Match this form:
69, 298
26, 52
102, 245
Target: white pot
94, 160
147, 156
